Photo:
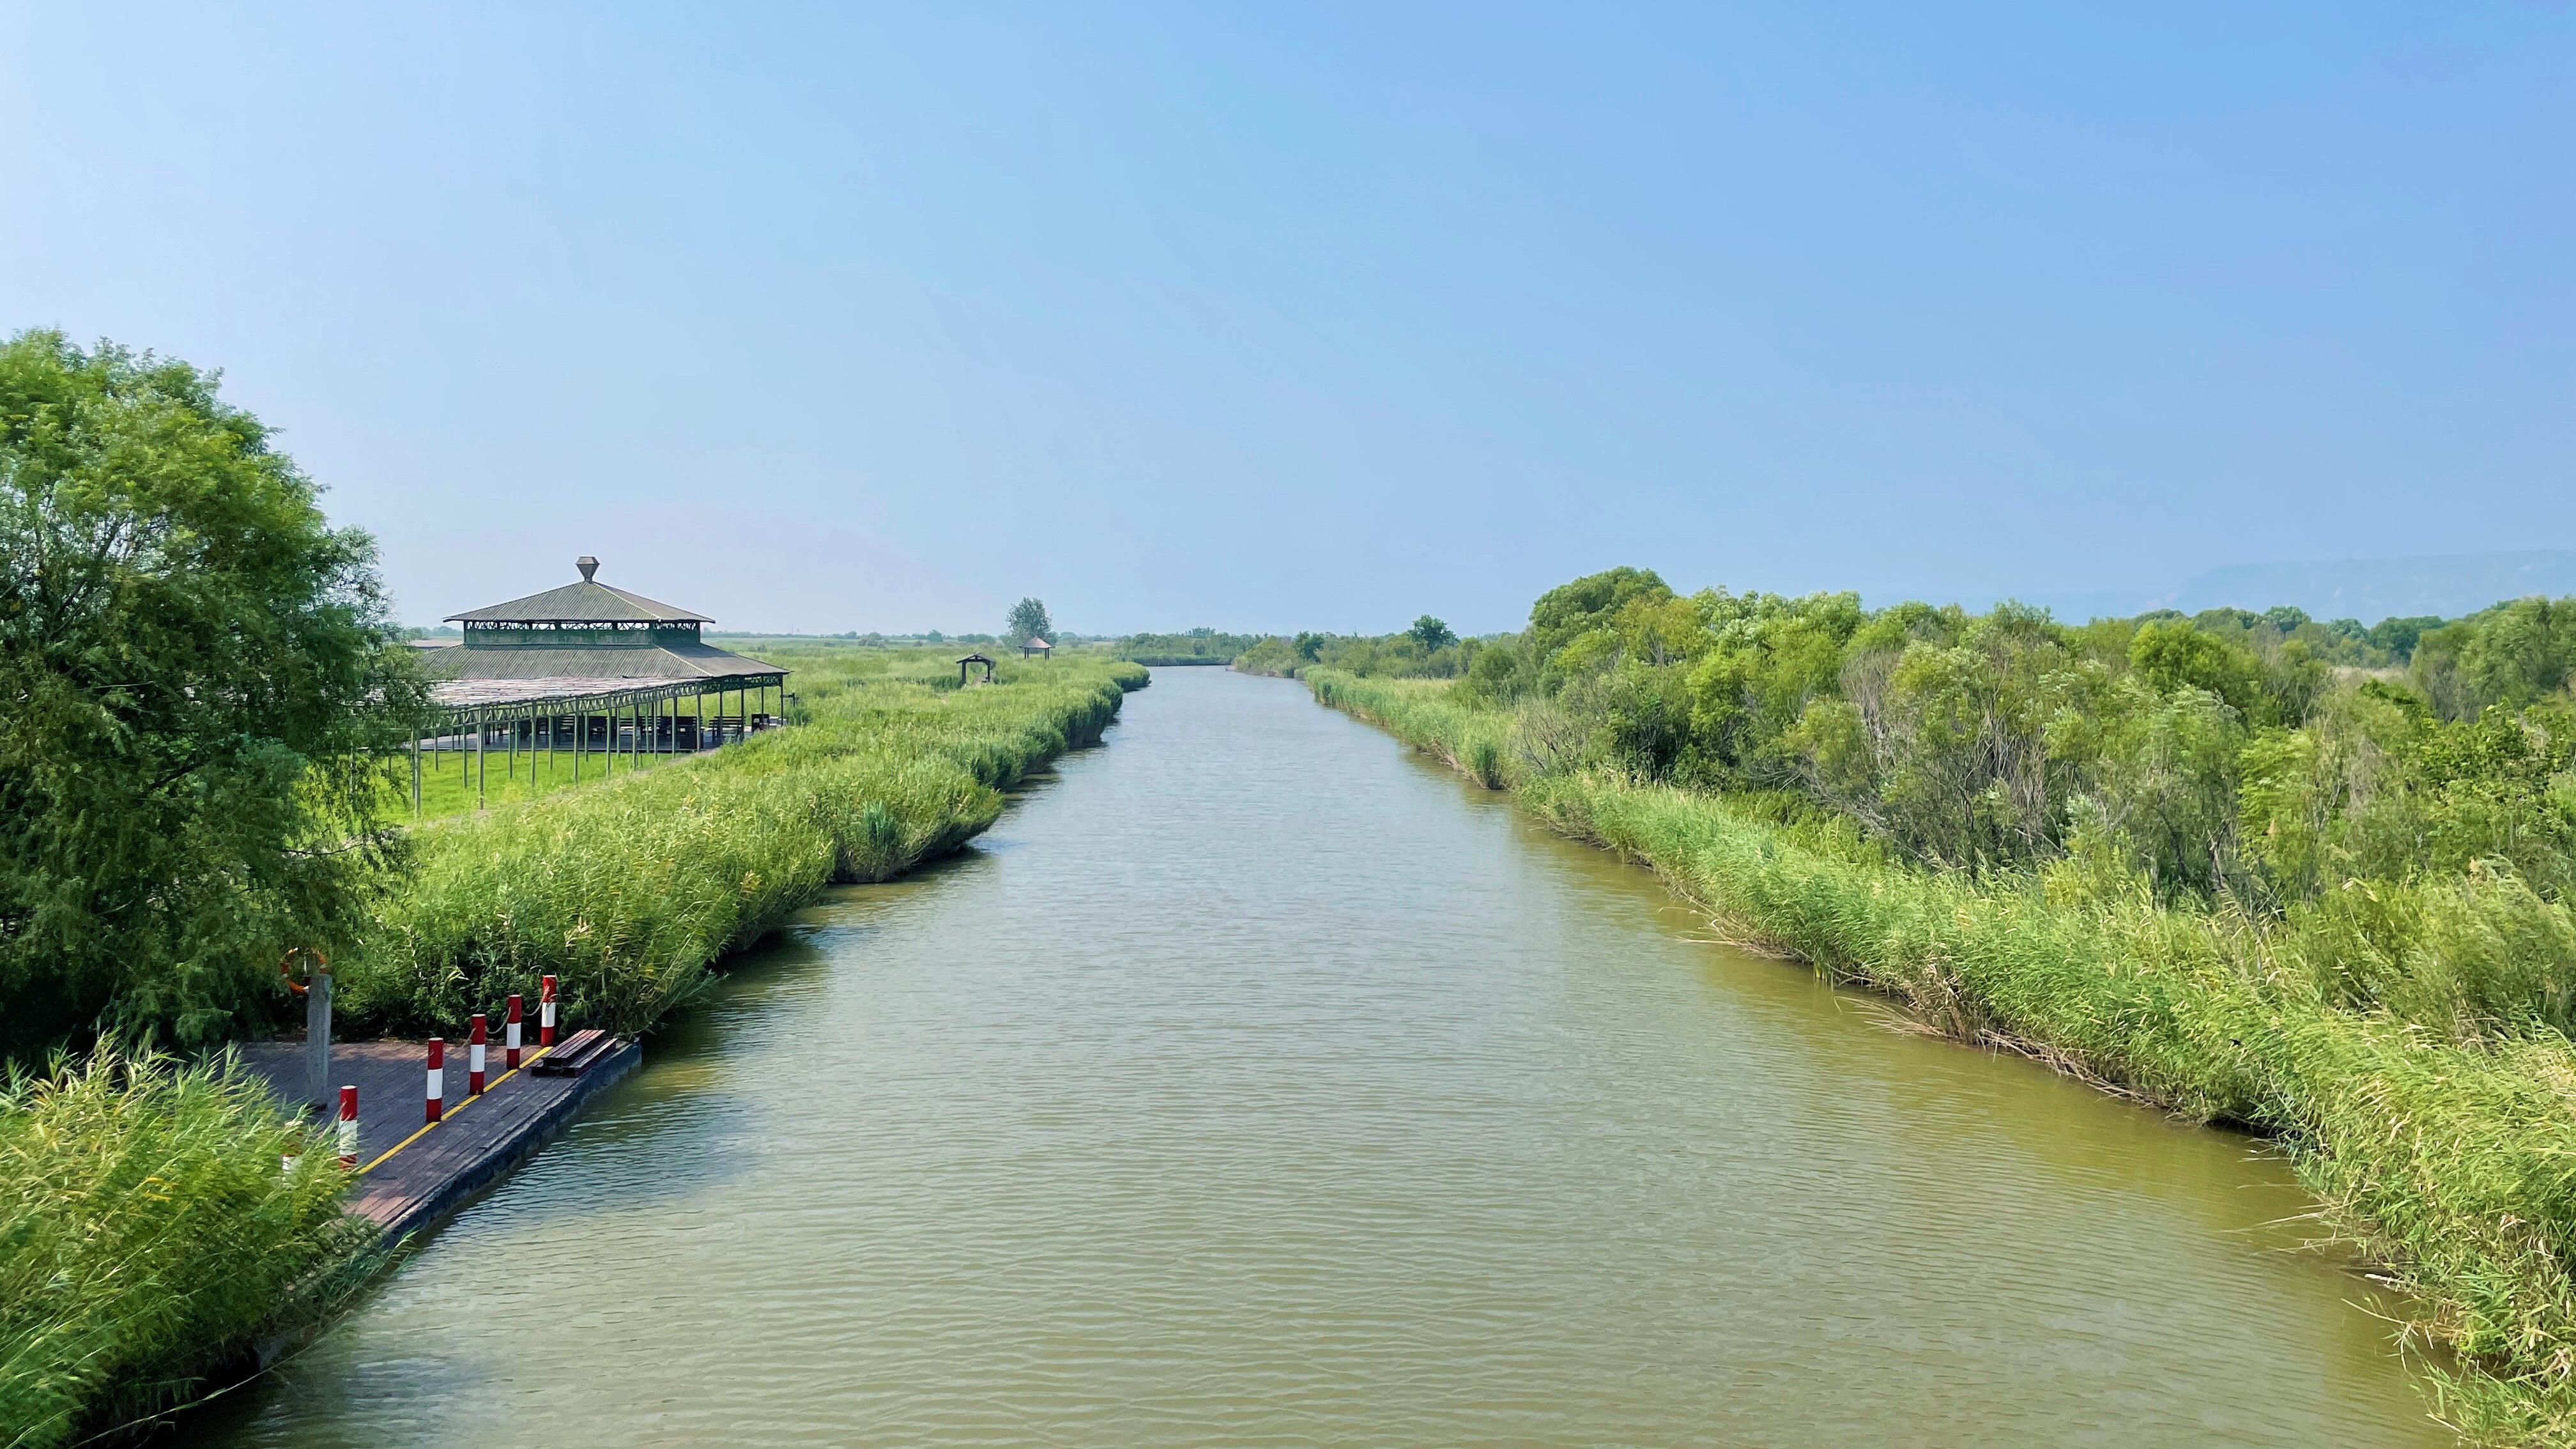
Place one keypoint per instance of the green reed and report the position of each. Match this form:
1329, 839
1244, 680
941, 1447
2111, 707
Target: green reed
148, 1231
628, 890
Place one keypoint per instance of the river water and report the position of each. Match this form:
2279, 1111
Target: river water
1254, 1081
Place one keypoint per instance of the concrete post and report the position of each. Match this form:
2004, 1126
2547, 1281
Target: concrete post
317, 1038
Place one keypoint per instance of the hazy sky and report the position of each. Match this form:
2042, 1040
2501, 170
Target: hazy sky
878, 319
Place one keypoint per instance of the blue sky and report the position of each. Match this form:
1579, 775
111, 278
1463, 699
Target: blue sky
1323, 316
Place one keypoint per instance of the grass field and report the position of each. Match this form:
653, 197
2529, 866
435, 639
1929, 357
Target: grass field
508, 777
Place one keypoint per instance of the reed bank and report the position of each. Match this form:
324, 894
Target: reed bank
2304, 877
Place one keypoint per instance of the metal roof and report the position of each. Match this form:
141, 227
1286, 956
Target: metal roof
596, 669
493, 693
583, 602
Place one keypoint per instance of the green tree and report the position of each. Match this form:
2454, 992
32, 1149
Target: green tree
196, 669
1431, 634
2171, 655
1029, 621
1570, 610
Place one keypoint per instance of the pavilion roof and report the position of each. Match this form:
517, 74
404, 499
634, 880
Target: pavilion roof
583, 602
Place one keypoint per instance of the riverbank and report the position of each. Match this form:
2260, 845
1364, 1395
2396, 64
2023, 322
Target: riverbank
2450, 1164
147, 1235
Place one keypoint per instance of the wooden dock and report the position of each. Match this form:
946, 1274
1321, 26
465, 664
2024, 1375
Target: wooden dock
410, 1177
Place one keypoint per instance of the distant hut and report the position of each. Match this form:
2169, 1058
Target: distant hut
1035, 645
967, 664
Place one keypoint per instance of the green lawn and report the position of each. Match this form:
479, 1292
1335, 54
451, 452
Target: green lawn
448, 778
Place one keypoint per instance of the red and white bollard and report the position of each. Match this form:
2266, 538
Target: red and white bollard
510, 1037
437, 1077
545, 1011
348, 1126
474, 1058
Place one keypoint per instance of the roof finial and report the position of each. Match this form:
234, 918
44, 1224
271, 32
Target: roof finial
587, 565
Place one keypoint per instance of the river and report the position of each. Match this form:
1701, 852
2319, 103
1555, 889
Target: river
1254, 1081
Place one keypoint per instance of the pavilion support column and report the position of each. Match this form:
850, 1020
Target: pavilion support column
415, 777
482, 737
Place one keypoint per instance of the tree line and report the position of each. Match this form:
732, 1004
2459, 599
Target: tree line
2261, 759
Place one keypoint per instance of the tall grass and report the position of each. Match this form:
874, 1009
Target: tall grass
629, 890
1476, 742
2429, 1099
147, 1233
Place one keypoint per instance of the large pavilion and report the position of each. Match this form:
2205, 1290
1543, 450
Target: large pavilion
591, 669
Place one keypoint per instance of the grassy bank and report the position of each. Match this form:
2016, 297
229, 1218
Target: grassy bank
629, 889
146, 1232
2428, 1109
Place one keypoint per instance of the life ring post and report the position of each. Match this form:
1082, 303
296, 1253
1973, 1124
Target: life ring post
315, 988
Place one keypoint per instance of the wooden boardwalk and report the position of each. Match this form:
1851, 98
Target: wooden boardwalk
411, 1177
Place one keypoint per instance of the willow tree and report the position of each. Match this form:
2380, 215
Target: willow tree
196, 670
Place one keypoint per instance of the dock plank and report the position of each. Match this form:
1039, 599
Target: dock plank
478, 1140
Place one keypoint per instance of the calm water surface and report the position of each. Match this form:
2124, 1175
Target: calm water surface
1254, 1082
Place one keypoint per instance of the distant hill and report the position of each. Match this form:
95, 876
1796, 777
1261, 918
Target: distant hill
2447, 585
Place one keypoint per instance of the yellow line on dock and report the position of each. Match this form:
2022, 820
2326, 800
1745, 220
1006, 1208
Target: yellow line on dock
445, 1114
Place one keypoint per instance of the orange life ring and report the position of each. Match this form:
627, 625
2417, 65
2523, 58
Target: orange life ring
286, 968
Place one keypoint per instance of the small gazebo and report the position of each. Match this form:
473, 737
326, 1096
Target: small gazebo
1035, 645
967, 664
